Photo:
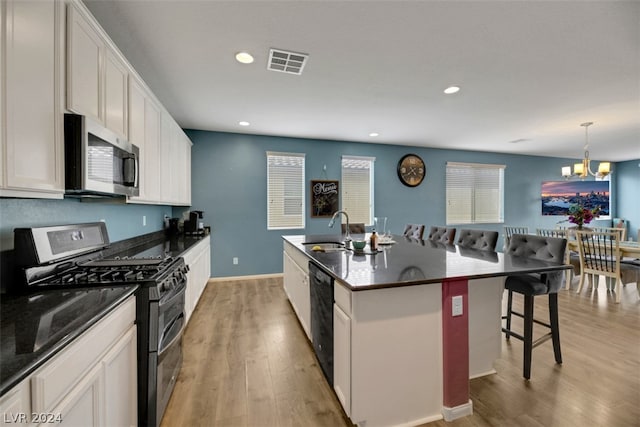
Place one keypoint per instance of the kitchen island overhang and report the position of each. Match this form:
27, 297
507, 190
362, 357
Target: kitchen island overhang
410, 262
420, 319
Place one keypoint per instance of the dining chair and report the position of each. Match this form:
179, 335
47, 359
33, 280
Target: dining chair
510, 231
552, 232
600, 256
622, 232
478, 239
531, 285
574, 258
355, 228
442, 234
414, 231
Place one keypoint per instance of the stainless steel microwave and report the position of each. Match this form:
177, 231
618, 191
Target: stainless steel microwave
97, 161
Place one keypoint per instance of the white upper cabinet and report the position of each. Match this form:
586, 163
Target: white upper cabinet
31, 159
102, 85
175, 163
96, 76
115, 98
151, 159
187, 144
144, 131
166, 153
181, 170
85, 50
44, 74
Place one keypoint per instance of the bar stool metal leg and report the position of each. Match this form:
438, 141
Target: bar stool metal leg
528, 335
508, 316
555, 326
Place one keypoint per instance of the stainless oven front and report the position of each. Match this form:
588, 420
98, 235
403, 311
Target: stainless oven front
171, 325
166, 324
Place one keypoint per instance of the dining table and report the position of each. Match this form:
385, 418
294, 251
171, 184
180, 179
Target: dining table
629, 250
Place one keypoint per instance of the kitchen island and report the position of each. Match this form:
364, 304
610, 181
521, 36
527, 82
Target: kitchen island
411, 323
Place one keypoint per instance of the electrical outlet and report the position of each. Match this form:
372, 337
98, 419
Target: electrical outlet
456, 305
235, 260
144, 220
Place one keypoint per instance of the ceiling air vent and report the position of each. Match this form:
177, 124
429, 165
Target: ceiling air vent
287, 62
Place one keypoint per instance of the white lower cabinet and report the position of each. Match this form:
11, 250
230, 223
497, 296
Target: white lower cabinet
82, 405
342, 357
15, 406
198, 259
119, 366
296, 286
387, 367
91, 382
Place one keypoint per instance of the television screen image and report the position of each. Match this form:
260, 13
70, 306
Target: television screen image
558, 196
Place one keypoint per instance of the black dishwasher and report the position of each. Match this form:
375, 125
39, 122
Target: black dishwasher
321, 289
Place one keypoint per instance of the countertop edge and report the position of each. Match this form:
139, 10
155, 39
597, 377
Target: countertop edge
292, 239
11, 382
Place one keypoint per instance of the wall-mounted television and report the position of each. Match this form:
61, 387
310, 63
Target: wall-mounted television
558, 196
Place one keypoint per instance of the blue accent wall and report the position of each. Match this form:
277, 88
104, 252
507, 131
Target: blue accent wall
123, 221
229, 185
628, 195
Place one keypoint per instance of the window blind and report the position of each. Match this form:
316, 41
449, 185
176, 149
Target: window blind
475, 193
285, 190
357, 188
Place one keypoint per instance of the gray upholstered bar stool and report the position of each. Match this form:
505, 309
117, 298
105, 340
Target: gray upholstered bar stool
444, 235
478, 239
532, 285
413, 231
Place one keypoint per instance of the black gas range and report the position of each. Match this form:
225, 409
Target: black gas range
73, 256
156, 271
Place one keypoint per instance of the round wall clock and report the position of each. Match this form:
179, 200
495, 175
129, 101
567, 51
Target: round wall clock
411, 170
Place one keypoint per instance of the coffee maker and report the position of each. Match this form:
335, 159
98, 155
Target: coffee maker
195, 223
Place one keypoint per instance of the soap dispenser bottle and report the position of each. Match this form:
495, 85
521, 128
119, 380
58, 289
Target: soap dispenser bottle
373, 241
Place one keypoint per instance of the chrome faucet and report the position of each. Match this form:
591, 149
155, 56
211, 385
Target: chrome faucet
347, 236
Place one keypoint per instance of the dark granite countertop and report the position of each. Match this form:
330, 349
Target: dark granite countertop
411, 262
161, 245
33, 328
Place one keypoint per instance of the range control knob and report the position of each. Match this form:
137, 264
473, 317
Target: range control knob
166, 286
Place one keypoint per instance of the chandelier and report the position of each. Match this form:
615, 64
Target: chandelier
583, 169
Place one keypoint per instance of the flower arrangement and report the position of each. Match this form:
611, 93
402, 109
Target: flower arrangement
580, 215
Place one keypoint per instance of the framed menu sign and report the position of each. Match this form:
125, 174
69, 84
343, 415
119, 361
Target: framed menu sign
324, 198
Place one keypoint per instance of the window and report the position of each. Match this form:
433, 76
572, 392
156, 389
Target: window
357, 188
475, 193
285, 190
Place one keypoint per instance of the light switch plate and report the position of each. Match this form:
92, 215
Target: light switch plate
456, 305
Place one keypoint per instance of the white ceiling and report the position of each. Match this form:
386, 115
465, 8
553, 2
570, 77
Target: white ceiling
529, 70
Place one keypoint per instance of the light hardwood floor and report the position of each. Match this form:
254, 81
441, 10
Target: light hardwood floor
247, 362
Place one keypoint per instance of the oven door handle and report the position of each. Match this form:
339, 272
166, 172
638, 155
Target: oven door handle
180, 320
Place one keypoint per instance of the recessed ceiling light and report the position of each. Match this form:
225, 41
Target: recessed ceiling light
451, 89
244, 123
244, 57
374, 134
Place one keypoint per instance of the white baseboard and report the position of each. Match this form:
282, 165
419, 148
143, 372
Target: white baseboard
483, 374
456, 412
420, 421
240, 278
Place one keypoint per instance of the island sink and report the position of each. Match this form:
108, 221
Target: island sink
325, 246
